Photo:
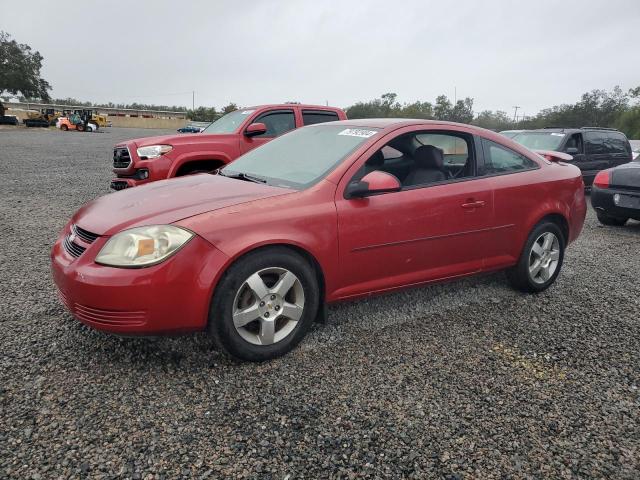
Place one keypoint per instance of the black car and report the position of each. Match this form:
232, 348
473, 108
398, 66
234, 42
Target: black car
615, 195
190, 129
593, 148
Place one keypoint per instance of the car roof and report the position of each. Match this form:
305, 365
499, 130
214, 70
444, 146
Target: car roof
570, 129
289, 105
394, 122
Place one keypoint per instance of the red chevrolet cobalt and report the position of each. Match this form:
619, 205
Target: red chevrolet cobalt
328, 212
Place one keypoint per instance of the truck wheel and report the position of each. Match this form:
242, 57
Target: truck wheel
264, 304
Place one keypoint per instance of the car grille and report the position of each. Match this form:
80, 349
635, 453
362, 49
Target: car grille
70, 245
110, 317
83, 234
121, 157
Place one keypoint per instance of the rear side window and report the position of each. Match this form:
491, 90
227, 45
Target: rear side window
455, 149
311, 117
594, 142
617, 143
277, 122
499, 159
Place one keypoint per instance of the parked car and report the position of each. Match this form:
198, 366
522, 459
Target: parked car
190, 129
146, 160
635, 148
511, 133
615, 195
9, 120
592, 148
329, 212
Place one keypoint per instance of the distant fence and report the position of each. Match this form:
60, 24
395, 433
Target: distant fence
119, 117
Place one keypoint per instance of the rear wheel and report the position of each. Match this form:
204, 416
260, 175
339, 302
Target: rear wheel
264, 305
605, 219
541, 259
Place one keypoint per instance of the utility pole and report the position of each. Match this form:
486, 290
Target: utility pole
193, 100
516, 107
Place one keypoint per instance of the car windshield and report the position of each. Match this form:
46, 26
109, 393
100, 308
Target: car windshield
510, 133
229, 122
301, 157
540, 140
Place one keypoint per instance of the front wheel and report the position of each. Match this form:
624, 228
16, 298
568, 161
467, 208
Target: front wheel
541, 259
264, 305
605, 219
64, 128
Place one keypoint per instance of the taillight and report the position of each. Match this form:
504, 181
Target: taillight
602, 179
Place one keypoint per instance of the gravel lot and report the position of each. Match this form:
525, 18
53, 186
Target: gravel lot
466, 380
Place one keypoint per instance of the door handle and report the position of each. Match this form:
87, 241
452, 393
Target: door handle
473, 204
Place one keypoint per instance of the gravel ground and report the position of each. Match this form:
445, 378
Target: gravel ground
465, 380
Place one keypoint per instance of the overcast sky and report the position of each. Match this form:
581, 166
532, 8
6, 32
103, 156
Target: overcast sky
530, 53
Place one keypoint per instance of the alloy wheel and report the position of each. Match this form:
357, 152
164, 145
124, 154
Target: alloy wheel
268, 306
544, 257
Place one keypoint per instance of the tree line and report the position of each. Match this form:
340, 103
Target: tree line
20, 74
597, 108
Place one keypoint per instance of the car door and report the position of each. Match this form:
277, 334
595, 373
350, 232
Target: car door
597, 156
574, 146
277, 121
519, 188
419, 234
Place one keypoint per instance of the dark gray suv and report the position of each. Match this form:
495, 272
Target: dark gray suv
593, 148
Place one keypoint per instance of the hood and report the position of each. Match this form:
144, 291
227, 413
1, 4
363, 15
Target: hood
168, 201
181, 139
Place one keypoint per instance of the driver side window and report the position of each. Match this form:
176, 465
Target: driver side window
277, 123
420, 159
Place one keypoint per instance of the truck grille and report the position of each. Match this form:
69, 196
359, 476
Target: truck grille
121, 157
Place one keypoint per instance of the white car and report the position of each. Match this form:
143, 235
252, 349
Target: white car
635, 149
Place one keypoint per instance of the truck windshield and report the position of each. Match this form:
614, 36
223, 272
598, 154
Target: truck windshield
540, 140
301, 157
229, 122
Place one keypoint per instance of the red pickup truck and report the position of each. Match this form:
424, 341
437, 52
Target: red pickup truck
144, 160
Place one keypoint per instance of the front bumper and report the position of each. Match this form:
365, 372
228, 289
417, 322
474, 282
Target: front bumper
171, 297
602, 201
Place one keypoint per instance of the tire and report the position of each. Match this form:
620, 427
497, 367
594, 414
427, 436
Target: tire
80, 127
605, 219
264, 317
529, 276
64, 128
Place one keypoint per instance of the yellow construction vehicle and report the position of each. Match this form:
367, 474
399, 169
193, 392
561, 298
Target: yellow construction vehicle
46, 117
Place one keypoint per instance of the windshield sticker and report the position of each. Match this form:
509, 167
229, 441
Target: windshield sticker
358, 132
246, 112
558, 134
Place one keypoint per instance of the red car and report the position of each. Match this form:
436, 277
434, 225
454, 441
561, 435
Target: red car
145, 160
329, 212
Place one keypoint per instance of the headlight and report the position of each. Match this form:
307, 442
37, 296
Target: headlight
153, 151
143, 246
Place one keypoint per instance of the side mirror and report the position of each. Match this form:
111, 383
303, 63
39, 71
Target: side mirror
572, 151
373, 183
255, 129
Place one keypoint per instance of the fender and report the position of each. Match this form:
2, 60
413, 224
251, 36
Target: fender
192, 156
